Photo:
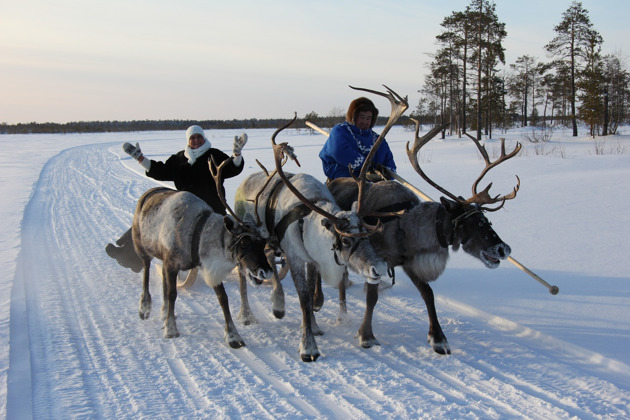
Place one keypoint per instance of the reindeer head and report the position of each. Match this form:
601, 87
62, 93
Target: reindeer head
246, 245
462, 221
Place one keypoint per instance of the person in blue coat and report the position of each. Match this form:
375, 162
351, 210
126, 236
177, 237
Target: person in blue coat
350, 142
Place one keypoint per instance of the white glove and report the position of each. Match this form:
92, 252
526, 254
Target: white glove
133, 151
239, 142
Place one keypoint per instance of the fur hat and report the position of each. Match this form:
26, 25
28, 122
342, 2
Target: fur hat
361, 105
194, 129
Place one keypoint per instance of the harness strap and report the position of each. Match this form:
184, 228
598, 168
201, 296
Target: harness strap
297, 213
270, 208
196, 238
439, 227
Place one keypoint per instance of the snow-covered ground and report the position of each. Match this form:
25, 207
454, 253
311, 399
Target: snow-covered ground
72, 344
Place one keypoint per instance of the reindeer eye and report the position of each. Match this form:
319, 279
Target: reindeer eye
346, 242
245, 243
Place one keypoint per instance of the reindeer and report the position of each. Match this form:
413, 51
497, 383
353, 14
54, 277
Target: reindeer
419, 240
182, 230
317, 239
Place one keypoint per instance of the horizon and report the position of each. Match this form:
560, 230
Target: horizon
120, 61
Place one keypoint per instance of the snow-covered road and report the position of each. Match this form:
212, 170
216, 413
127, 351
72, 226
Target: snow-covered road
79, 350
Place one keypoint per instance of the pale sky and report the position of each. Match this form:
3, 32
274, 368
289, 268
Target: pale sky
85, 60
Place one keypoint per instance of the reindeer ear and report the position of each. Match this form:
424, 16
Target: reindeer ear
327, 223
355, 206
446, 203
229, 223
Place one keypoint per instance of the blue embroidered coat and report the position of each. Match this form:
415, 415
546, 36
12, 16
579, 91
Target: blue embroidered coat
349, 145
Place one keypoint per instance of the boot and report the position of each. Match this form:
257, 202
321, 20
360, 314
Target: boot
125, 254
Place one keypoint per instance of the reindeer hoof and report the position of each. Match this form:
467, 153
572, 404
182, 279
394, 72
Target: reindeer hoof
442, 350
144, 307
440, 347
309, 357
171, 334
236, 344
278, 314
234, 340
367, 343
247, 319
318, 302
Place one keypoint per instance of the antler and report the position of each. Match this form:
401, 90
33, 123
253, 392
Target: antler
216, 173
259, 193
484, 197
399, 106
413, 156
479, 198
282, 152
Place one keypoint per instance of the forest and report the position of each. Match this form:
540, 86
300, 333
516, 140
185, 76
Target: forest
470, 87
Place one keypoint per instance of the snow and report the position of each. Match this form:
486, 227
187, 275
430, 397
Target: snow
72, 344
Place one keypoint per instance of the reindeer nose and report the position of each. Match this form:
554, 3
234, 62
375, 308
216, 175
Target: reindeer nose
504, 251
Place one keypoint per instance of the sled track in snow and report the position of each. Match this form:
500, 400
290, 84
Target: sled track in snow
91, 355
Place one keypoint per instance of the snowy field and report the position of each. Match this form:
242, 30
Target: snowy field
72, 344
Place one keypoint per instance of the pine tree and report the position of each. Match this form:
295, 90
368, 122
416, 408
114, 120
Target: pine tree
616, 93
575, 33
473, 37
591, 89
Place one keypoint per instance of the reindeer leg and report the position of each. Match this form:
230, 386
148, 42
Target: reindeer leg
277, 298
365, 334
308, 345
145, 299
436, 337
277, 293
312, 276
232, 337
245, 314
165, 298
318, 295
169, 283
343, 309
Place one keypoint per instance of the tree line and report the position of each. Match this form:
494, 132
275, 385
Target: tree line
136, 125
170, 125
466, 88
